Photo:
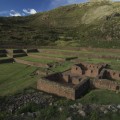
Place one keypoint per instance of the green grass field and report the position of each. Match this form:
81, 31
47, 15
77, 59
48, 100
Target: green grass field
88, 52
52, 55
38, 60
4, 58
101, 97
15, 77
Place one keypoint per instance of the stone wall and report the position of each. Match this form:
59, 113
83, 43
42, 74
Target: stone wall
3, 55
30, 63
41, 73
102, 74
11, 51
90, 70
76, 70
56, 88
82, 88
75, 80
112, 74
105, 84
55, 84
19, 55
66, 78
31, 50
70, 58
10, 60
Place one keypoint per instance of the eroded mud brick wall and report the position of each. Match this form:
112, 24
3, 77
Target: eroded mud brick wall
10, 60
82, 88
111, 74
76, 70
56, 88
105, 84
90, 70
75, 80
93, 70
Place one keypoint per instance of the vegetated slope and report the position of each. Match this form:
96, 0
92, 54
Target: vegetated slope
92, 24
15, 77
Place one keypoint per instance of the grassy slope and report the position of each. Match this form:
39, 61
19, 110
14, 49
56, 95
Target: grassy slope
51, 55
3, 58
101, 97
115, 64
31, 59
15, 77
88, 24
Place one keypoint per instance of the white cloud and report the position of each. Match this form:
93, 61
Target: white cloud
29, 11
14, 13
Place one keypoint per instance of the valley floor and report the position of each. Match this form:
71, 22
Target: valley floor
18, 80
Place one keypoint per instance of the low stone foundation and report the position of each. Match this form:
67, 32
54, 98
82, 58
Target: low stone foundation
9, 60
56, 88
105, 84
31, 50
79, 79
55, 84
3, 55
70, 92
31, 63
112, 74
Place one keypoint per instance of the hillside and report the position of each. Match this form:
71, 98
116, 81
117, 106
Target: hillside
92, 24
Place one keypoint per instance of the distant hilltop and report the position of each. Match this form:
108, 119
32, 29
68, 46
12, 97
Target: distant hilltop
99, 0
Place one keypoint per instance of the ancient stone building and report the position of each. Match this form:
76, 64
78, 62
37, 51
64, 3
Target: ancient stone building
76, 81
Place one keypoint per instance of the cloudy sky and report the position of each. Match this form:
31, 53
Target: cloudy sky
27, 7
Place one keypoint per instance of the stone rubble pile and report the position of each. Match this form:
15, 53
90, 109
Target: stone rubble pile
13, 103
16, 102
84, 110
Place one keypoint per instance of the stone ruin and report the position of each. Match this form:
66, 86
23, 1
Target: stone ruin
12, 54
75, 82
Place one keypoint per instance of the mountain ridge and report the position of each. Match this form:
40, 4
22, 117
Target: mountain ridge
79, 25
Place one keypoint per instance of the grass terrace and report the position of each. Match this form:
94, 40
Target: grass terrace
15, 77
4, 58
31, 59
88, 52
63, 67
101, 97
51, 55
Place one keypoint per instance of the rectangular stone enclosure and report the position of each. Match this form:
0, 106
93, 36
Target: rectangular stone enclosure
75, 82
59, 87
